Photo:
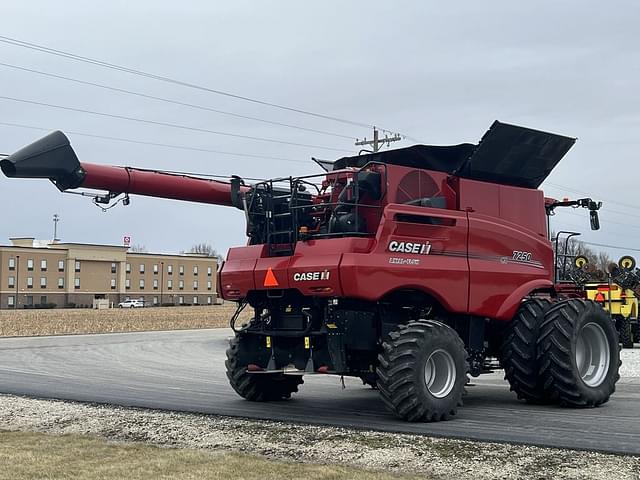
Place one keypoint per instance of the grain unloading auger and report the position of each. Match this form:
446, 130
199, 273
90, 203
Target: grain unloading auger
410, 269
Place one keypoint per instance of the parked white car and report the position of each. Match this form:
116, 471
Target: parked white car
131, 304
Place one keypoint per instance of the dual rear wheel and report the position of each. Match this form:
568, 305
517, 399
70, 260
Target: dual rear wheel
565, 353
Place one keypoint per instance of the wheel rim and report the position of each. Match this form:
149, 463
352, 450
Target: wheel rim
440, 373
592, 354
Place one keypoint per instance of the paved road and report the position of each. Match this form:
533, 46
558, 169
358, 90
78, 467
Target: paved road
185, 371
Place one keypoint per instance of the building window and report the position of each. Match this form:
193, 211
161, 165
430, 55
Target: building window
60, 282
195, 284
12, 282
29, 282
43, 282
142, 268
12, 264
128, 268
208, 300
141, 284
113, 284
127, 283
209, 271
155, 283
181, 300
181, 269
114, 268
195, 300
77, 266
209, 285
43, 265
76, 283
195, 270
30, 264
155, 268
155, 300
43, 300
181, 285
61, 265
11, 301
169, 284
169, 269
30, 300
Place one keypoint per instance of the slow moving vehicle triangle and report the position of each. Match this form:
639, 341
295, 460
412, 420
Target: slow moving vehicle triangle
270, 279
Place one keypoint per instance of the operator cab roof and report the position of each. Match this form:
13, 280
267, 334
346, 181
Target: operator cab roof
506, 154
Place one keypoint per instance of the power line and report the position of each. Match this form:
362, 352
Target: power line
93, 61
172, 125
616, 247
168, 100
563, 187
606, 221
607, 201
155, 144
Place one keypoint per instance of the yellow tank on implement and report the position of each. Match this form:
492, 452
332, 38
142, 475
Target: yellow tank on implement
620, 302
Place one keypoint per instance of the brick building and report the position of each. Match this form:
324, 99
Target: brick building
34, 274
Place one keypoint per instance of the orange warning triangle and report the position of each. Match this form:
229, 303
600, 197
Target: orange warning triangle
270, 279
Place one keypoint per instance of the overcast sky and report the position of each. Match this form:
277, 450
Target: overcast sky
439, 72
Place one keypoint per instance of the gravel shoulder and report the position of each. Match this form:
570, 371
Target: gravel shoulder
398, 453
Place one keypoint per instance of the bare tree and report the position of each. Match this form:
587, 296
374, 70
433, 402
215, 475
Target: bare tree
603, 261
206, 249
138, 248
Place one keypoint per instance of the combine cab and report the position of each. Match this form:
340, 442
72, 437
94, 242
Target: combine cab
410, 269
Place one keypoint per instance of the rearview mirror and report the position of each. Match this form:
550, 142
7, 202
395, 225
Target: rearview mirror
595, 221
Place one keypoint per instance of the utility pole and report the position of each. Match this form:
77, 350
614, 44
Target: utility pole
378, 142
56, 219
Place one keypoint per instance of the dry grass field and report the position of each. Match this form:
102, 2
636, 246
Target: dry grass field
35, 455
73, 321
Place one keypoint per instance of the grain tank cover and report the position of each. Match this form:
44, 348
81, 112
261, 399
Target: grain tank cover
507, 154
517, 156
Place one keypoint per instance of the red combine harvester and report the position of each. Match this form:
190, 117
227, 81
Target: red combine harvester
410, 269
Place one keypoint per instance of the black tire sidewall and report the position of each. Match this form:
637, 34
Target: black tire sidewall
454, 348
595, 314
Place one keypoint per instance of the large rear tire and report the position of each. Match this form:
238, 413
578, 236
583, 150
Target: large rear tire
519, 353
422, 371
579, 354
258, 387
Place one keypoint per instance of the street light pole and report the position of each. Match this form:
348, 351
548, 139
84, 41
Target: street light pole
56, 219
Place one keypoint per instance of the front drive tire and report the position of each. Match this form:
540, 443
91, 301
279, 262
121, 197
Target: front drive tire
422, 371
258, 387
579, 354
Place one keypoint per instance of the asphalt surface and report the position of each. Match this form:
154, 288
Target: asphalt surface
184, 371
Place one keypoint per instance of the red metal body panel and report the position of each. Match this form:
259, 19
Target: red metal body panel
521, 206
506, 262
236, 277
443, 273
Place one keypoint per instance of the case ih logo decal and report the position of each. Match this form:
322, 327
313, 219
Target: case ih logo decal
410, 247
311, 276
